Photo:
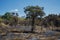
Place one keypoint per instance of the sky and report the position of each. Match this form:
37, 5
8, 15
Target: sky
50, 6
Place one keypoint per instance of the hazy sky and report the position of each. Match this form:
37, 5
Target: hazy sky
50, 6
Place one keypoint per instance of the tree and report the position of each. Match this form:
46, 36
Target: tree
32, 12
14, 18
7, 17
51, 19
10, 18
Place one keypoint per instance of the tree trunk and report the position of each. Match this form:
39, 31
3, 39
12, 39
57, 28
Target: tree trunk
33, 22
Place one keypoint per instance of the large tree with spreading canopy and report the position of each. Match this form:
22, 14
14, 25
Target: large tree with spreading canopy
33, 12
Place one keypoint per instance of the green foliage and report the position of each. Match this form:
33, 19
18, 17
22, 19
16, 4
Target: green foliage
34, 15
1, 20
10, 18
51, 20
7, 16
32, 12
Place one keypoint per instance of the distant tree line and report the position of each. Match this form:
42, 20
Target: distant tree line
34, 16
